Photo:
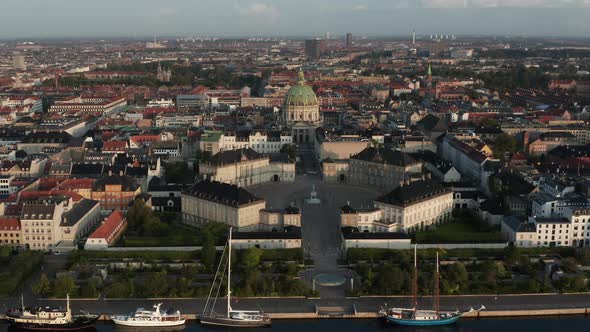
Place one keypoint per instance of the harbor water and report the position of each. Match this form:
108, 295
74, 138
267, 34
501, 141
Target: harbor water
547, 324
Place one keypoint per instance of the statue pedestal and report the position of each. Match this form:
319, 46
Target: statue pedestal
313, 197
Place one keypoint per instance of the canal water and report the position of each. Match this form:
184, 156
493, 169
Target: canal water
550, 324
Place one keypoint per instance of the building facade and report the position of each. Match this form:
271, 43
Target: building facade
277, 219
416, 206
108, 232
246, 167
382, 168
213, 201
40, 225
288, 239
259, 141
10, 232
115, 192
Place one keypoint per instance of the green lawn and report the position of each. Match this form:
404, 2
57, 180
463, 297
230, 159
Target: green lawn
180, 235
458, 232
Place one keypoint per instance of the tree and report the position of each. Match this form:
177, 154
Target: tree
154, 227
251, 258
184, 287
119, 290
64, 285
157, 284
579, 284
368, 282
90, 289
569, 265
489, 272
42, 287
290, 150
533, 286
583, 256
504, 144
390, 280
511, 255
458, 277
178, 172
488, 123
5, 252
142, 220
137, 214
209, 252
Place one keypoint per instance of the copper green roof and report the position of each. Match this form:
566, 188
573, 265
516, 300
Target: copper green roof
301, 94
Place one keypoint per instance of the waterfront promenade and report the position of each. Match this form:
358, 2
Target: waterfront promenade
364, 307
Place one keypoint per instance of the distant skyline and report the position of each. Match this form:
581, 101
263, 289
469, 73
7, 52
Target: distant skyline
21, 19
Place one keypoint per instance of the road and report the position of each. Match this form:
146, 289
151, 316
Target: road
300, 305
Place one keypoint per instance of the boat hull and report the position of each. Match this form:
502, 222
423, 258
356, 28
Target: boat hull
79, 323
413, 322
228, 322
148, 324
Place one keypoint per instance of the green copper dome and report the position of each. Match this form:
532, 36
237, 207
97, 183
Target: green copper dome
301, 94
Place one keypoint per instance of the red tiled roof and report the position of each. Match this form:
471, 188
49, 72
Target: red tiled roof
545, 118
26, 195
114, 146
109, 224
9, 224
145, 138
72, 184
199, 90
48, 183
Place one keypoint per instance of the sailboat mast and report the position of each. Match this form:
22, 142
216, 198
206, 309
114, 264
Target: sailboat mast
229, 272
415, 279
436, 287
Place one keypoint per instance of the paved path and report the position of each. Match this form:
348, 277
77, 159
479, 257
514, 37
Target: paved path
298, 305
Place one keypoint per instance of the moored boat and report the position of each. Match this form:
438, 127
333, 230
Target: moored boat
238, 318
418, 317
150, 318
49, 319
231, 318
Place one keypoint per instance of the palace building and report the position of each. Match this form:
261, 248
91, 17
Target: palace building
247, 167
212, 201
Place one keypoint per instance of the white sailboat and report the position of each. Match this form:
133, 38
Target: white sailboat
232, 318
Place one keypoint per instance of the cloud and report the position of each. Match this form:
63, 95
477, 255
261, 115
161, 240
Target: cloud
360, 7
503, 3
260, 11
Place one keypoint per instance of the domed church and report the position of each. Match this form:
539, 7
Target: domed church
301, 111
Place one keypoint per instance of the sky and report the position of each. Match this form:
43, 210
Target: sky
236, 18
